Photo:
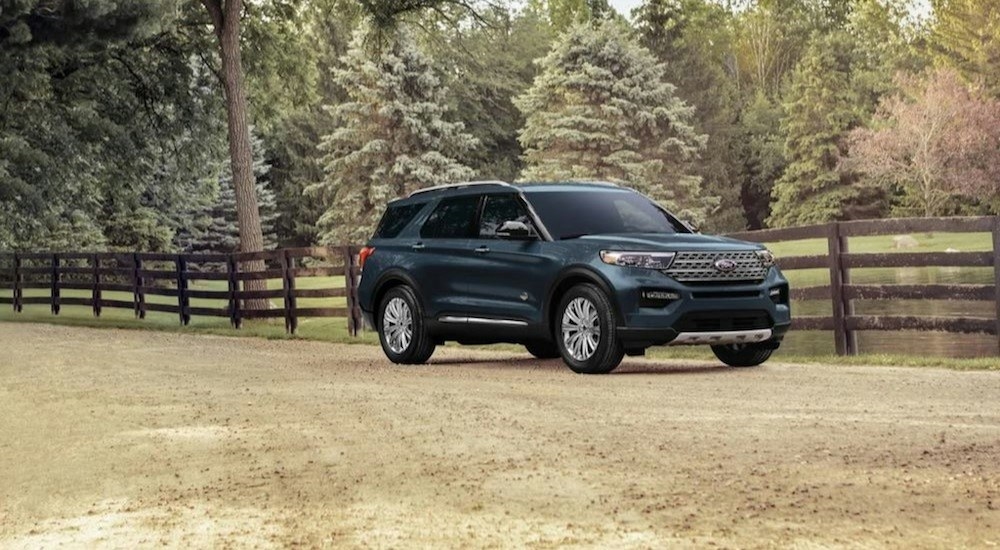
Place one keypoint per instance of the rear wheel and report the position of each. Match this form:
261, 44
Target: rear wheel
586, 331
743, 355
543, 350
401, 328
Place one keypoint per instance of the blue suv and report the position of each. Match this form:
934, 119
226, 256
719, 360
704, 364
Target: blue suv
589, 272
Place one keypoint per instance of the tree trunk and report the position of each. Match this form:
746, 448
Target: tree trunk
225, 16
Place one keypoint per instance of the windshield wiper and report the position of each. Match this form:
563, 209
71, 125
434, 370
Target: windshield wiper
574, 236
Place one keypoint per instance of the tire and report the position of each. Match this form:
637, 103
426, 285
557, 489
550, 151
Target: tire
743, 355
585, 350
543, 350
401, 329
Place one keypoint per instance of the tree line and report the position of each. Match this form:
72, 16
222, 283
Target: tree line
217, 125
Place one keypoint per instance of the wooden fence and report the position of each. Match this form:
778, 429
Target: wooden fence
171, 275
843, 293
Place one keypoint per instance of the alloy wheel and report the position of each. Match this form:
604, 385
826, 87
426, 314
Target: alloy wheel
581, 328
397, 325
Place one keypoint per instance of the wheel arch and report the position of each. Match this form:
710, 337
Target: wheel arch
570, 277
391, 279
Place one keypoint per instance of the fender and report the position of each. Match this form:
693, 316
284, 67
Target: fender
592, 276
391, 275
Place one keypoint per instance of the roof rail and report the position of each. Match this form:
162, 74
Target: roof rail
459, 186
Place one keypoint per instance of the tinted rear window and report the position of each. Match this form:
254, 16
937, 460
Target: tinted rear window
569, 214
395, 219
454, 218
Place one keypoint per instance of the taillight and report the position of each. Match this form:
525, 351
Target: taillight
364, 254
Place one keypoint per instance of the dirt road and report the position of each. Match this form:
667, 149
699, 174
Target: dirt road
119, 438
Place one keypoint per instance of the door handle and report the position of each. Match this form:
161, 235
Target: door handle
417, 246
482, 250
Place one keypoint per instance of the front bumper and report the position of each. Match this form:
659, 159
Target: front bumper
702, 314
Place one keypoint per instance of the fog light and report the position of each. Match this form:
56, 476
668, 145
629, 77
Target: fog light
775, 292
661, 295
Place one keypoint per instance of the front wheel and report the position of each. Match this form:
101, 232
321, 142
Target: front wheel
401, 328
586, 331
743, 355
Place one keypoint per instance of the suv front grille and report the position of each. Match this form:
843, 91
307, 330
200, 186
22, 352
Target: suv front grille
699, 267
715, 321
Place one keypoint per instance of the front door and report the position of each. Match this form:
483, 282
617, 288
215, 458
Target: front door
507, 279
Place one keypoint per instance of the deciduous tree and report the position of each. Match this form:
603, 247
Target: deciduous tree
935, 139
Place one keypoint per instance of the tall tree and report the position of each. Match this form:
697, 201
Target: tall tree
821, 108
226, 16
694, 41
966, 36
394, 137
935, 139
599, 109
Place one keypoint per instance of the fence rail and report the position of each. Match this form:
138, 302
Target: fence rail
171, 275
844, 322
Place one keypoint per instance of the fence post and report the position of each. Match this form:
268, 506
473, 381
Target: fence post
54, 292
351, 291
95, 294
996, 273
845, 341
234, 287
18, 283
137, 286
288, 273
182, 284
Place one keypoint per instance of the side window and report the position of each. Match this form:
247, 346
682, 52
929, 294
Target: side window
499, 209
452, 219
395, 219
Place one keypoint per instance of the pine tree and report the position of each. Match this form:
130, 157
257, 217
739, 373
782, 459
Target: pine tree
213, 227
393, 137
600, 109
820, 109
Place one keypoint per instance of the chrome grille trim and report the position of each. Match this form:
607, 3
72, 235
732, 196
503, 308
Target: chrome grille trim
695, 266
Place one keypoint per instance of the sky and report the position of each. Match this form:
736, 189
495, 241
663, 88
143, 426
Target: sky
625, 7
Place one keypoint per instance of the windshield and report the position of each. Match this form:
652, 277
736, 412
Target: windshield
570, 214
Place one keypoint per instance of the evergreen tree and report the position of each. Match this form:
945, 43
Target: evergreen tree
600, 109
821, 108
966, 36
693, 39
212, 226
393, 137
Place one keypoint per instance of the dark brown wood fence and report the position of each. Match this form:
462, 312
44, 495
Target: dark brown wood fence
843, 293
176, 276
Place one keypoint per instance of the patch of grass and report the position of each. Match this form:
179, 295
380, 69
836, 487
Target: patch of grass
927, 242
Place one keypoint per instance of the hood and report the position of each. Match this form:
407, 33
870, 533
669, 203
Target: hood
670, 242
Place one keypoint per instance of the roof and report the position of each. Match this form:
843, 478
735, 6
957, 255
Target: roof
472, 187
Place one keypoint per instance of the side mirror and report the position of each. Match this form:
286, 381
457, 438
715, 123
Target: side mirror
692, 226
515, 230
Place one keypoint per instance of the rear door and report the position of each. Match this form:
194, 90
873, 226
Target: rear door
507, 279
442, 251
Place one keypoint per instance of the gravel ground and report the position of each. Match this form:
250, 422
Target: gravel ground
125, 438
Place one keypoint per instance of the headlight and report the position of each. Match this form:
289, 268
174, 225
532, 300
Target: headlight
766, 257
649, 260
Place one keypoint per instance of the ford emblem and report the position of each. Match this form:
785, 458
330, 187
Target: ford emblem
725, 265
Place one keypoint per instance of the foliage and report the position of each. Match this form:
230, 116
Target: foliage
693, 39
212, 225
600, 109
393, 137
935, 139
966, 37
821, 108
105, 125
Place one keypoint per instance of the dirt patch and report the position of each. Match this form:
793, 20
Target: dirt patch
117, 438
